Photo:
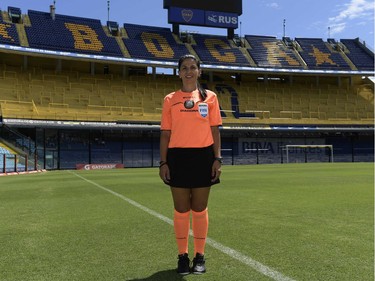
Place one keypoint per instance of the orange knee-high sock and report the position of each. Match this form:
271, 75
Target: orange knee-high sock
181, 229
200, 229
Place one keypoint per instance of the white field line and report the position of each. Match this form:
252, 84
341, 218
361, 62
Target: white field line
261, 268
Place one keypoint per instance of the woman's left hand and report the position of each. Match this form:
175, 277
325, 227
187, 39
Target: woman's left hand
216, 171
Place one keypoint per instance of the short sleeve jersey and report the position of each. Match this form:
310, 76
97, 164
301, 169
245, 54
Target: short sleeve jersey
190, 119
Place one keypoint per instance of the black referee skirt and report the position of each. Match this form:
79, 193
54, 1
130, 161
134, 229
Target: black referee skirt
191, 167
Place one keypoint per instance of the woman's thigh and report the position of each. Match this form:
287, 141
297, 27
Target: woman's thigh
186, 199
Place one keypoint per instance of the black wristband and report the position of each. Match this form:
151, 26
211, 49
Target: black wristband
219, 159
162, 163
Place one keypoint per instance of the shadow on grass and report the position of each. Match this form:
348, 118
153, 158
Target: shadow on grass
165, 275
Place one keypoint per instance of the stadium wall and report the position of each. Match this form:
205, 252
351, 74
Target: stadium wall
65, 148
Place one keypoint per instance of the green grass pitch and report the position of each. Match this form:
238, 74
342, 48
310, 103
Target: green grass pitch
304, 221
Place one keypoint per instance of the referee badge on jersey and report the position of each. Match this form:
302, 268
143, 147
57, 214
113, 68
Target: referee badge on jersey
203, 109
189, 104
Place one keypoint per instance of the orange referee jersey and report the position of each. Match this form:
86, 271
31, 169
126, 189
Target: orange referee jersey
189, 119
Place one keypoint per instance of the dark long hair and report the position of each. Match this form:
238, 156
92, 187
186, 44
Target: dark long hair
201, 90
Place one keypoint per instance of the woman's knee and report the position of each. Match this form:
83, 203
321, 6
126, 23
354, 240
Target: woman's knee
199, 199
181, 199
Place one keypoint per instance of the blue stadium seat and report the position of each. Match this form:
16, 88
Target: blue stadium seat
67, 33
149, 42
360, 57
318, 56
215, 49
269, 52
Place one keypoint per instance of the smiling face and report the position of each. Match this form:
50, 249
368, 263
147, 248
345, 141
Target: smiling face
189, 72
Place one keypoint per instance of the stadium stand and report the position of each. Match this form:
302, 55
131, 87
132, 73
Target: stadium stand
317, 55
8, 33
149, 42
213, 49
67, 33
4, 150
9, 162
85, 98
268, 51
274, 87
363, 59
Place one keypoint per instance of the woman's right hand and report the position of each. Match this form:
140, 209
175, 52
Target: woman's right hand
164, 173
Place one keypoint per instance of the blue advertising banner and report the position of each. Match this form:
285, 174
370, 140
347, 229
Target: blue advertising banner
200, 17
220, 19
185, 16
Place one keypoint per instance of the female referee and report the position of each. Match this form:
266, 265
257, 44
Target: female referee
190, 159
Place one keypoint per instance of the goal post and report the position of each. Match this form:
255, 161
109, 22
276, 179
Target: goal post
329, 146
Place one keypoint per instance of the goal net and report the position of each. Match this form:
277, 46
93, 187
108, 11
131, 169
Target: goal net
305, 148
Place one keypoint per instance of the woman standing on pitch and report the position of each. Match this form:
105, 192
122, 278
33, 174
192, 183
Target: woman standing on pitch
190, 159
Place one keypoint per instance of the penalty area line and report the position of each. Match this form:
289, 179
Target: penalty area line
261, 268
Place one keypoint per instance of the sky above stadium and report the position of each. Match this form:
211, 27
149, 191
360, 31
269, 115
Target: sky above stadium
338, 19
